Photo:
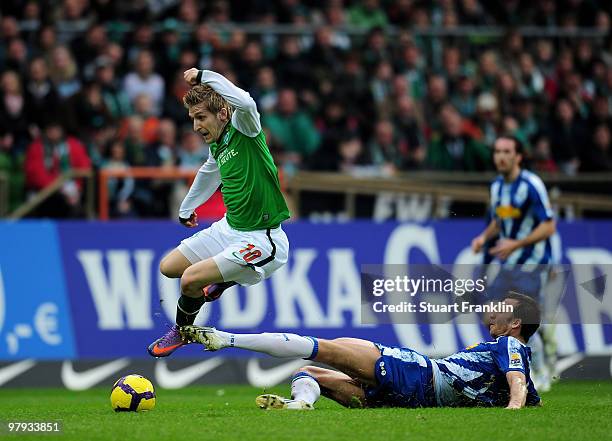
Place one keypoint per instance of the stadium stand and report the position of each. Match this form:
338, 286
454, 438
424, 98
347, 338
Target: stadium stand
367, 88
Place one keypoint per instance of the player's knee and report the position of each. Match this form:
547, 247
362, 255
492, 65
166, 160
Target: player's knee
166, 269
190, 289
169, 269
319, 374
190, 285
310, 370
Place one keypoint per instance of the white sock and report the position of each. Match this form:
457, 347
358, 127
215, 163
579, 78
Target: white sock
305, 388
274, 344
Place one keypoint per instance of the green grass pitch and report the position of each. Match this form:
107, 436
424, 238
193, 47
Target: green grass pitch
572, 411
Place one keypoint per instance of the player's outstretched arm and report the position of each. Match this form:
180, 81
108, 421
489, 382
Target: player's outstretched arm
207, 180
246, 117
518, 389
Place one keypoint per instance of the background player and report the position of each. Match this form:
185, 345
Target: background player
522, 218
521, 214
248, 243
371, 375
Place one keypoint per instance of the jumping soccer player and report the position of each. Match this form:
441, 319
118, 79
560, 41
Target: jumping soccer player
494, 373
248, 243
522, 218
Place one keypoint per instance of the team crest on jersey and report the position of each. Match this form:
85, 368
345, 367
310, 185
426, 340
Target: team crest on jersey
508, 212
226, 138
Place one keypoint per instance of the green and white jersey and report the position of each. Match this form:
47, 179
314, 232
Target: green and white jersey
241, 161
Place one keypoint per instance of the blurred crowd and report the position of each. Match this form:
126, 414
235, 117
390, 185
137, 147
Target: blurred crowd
98, 84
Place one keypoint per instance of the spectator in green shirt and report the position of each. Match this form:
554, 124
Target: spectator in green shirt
367, 14
454, 149
292, 132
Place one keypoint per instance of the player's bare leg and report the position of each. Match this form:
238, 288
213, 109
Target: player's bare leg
309, 382
174, 264
355, 358
199, 275
337, 386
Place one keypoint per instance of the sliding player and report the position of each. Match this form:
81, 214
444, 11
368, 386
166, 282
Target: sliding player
248, 244
522, 218
494, 373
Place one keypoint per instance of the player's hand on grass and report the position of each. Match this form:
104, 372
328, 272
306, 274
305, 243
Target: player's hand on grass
504, 247
191, 76
513, 406
191, 221
477, 244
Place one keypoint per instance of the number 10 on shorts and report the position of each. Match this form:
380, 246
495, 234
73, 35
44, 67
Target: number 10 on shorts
250, 253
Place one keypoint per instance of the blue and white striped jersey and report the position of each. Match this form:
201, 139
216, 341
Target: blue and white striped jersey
476, 376
519, 207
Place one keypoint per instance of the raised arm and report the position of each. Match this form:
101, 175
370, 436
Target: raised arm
518, 389
246, 117
207, 180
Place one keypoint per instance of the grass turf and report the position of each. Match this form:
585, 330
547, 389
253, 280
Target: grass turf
573, 410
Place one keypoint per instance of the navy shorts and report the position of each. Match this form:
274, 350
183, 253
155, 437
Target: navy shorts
526, 279
405, 379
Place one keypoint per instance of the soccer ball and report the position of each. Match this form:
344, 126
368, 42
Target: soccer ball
132, 393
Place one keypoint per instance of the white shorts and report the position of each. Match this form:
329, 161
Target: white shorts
244, 257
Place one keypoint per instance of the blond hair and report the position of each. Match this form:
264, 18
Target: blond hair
204, 94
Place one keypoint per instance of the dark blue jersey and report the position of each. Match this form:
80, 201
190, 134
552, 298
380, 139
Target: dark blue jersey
476, 376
